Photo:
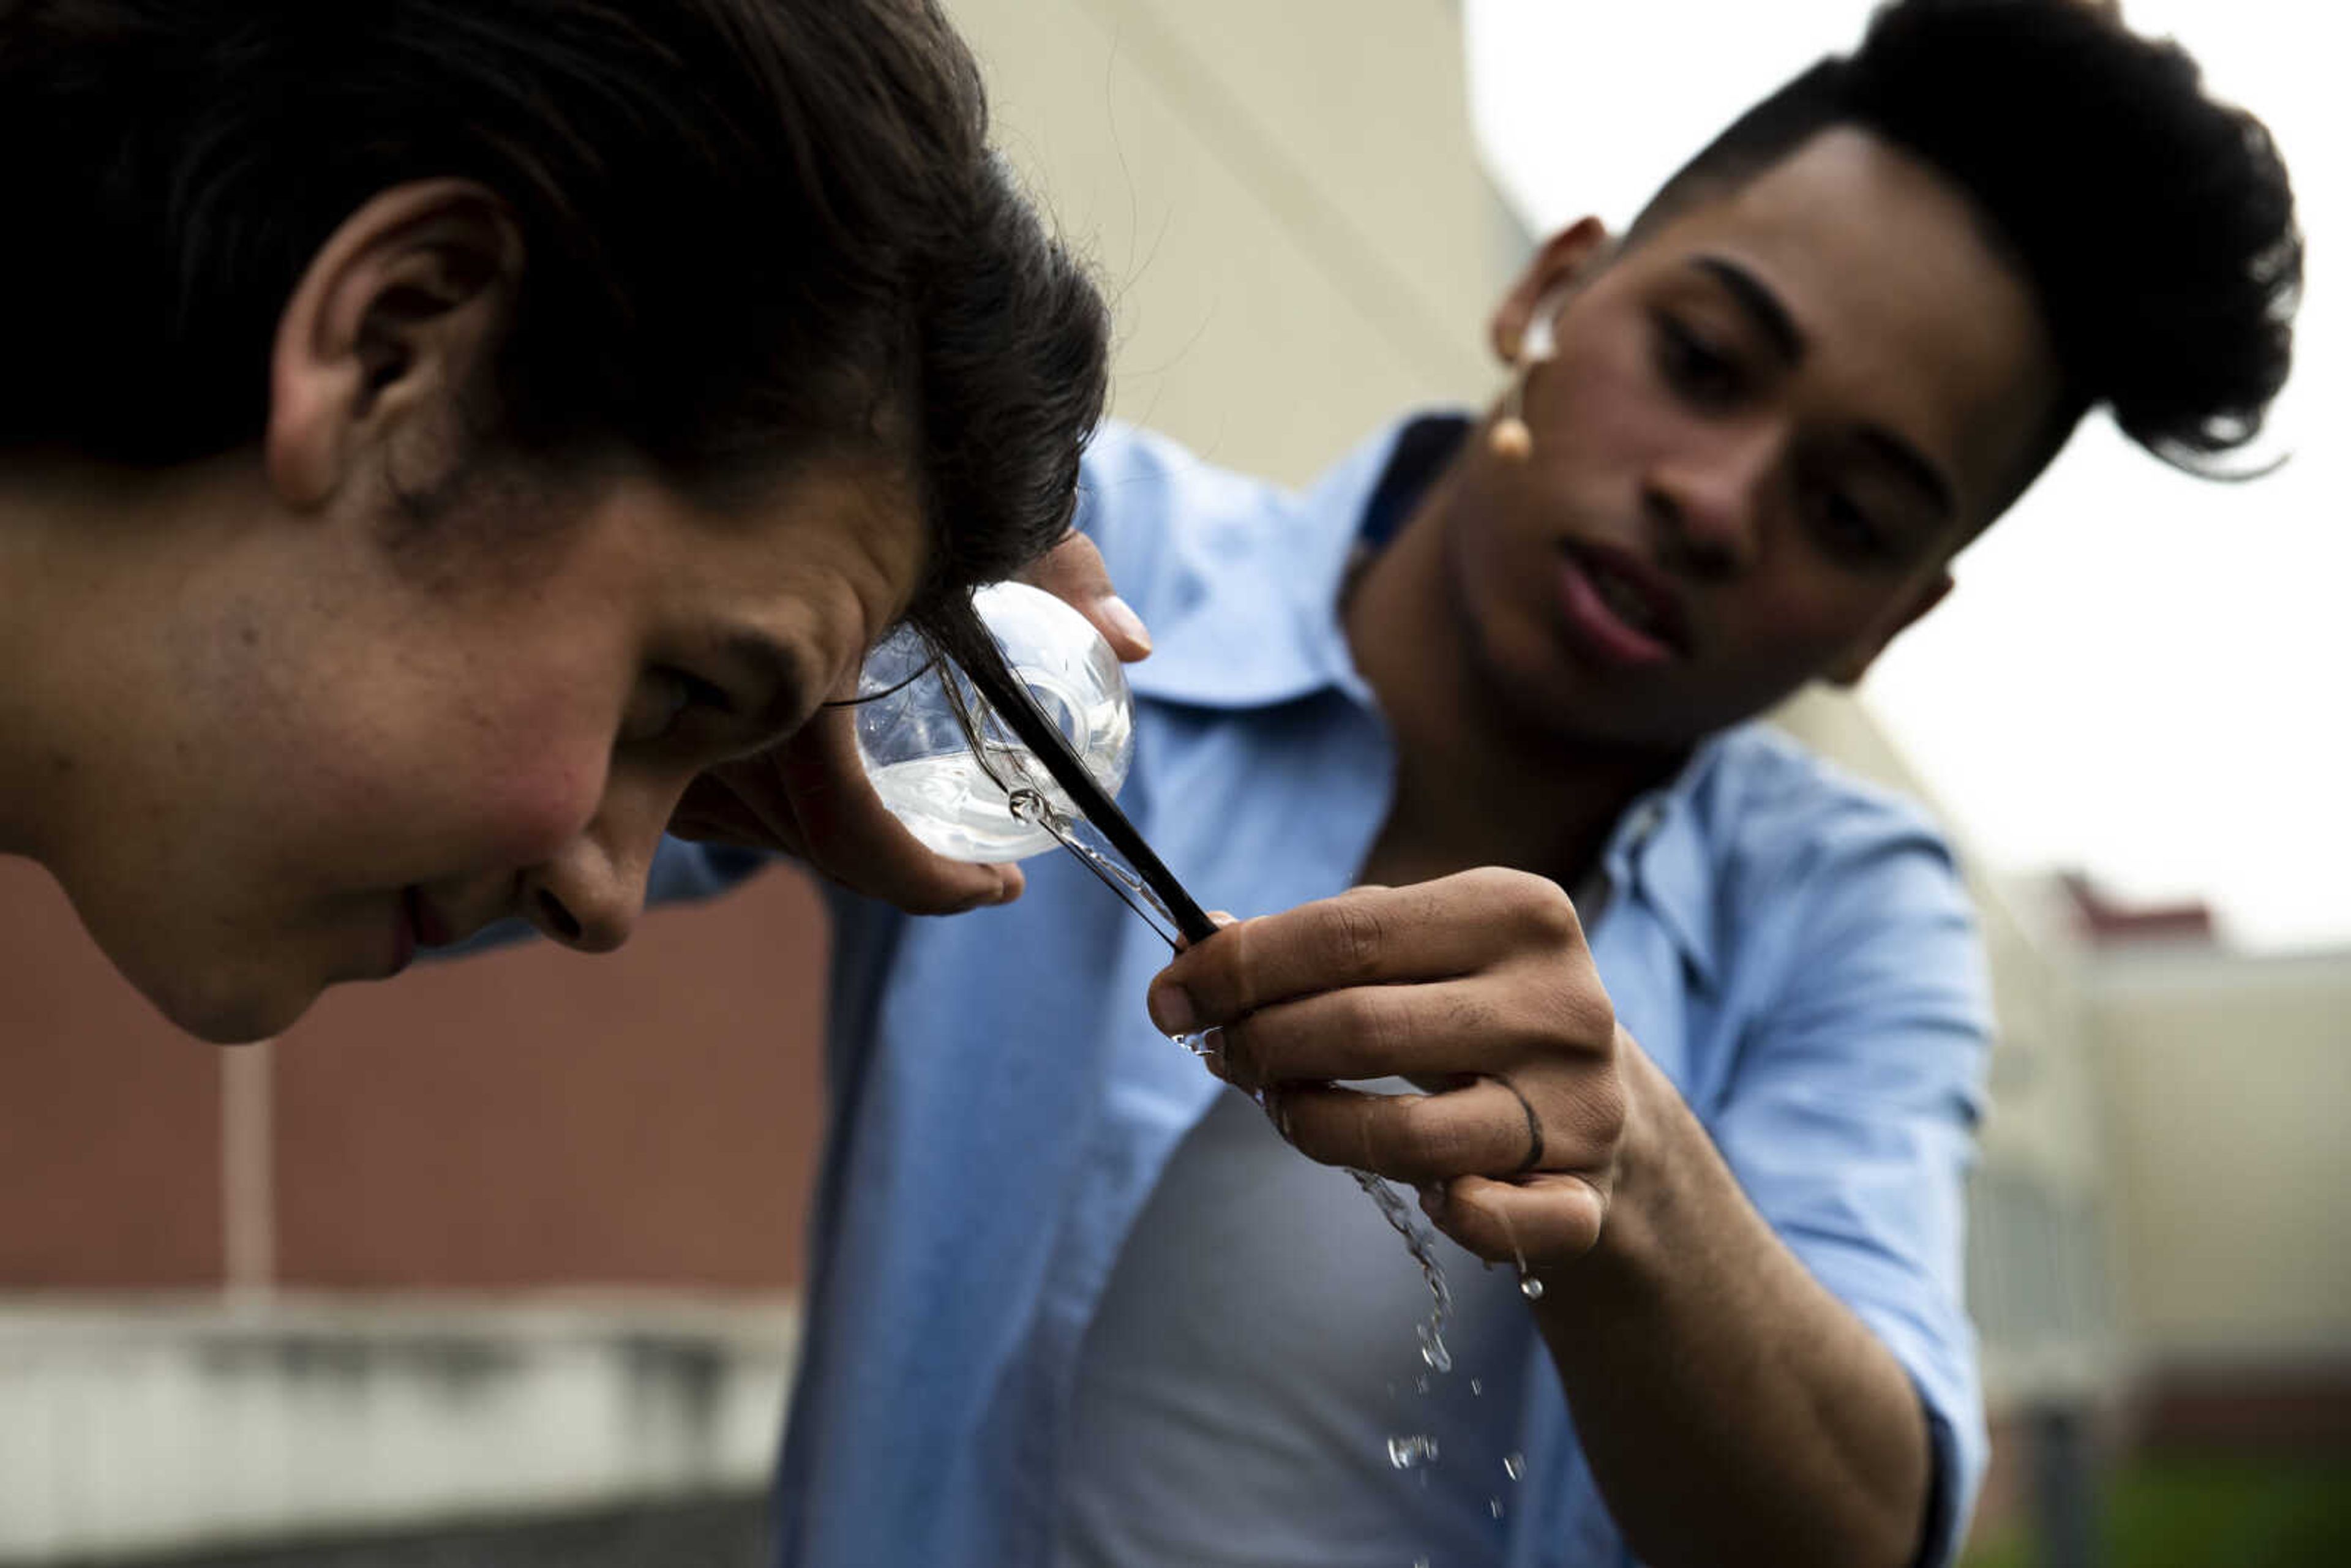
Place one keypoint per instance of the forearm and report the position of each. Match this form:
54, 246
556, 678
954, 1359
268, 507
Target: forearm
1731, 1408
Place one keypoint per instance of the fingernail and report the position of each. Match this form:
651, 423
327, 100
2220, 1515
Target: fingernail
1171, 1008
1121, 615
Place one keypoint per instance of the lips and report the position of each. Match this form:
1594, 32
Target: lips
1618, 610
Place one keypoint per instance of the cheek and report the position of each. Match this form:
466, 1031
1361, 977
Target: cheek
524, 808
1611, 413
1795, 625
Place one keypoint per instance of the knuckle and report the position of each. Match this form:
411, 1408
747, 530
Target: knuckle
1384, 1032
1597, 1121
1429, 1139
1388, 1035
1591, 1219
1570, 1019
1218, 975
1469, 1016
1545, 914
1353, 936
1596, 1017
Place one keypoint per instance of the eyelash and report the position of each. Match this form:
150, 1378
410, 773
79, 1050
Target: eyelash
1695, 368
693, 693
1848, 529
1711, 379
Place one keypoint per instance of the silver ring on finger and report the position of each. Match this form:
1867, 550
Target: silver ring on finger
1535, 1128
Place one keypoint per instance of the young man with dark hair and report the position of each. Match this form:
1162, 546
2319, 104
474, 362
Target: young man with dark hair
1712, 1114
432, 431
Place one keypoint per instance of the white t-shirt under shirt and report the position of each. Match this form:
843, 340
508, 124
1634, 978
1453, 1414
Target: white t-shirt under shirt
1254, 1352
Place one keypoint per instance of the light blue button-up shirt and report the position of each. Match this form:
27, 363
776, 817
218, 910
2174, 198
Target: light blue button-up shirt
1793, 947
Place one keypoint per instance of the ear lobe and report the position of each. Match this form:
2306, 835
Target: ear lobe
1848, 671
1564, 260
397, 314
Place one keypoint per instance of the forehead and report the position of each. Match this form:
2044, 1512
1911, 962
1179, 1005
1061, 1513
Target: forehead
832, 549
1911, 316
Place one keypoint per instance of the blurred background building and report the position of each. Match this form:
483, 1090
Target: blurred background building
500, 1260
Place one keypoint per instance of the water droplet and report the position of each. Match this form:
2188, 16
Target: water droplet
1204, 1045
1530, 1288
1494, 1506
1420, 1562
1475, 1388
1514, 1466
1420, 1385
1433, 1351
1409, 1453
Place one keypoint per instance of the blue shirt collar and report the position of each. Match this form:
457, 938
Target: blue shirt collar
1293, 555
1658, 849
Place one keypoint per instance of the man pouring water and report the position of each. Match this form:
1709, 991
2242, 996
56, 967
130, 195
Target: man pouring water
1680, 1029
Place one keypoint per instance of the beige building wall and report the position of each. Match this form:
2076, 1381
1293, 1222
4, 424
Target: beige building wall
1284, 201
2229, 1077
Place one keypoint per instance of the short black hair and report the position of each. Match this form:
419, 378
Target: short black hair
752, 229
2155, 225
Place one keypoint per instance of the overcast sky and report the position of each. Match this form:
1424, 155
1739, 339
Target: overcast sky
2142, 673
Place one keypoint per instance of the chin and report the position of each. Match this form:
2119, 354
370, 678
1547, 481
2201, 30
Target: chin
221, 986
229, 1010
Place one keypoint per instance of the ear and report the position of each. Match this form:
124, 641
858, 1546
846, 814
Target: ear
400, 311
1566, 258
1848, 671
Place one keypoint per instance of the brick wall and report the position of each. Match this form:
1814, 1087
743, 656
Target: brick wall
530, 1118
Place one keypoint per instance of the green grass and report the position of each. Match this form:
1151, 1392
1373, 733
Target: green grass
2214, 1513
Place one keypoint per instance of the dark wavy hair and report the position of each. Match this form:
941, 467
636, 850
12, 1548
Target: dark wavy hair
2155, 224
754, 229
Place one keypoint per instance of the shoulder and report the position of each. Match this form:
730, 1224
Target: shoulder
1825, 883
1135, 485
1776, 809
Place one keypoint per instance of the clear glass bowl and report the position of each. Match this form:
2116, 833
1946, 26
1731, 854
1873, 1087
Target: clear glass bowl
920, 756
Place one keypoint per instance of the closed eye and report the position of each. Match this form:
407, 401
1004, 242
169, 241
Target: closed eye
665, 703
1698, 371
1847, 528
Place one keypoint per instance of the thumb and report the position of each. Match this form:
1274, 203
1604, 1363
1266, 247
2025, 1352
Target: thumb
1073, 573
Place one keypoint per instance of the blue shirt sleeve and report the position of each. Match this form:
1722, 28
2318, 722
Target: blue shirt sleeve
1850, 1119
684, 871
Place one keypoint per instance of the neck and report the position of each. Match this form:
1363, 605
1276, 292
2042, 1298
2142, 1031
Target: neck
1477, 783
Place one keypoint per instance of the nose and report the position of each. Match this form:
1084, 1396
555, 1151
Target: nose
1708, 501
589, 894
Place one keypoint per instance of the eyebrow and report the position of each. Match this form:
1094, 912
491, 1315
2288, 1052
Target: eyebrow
1762, 307
1765, 310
